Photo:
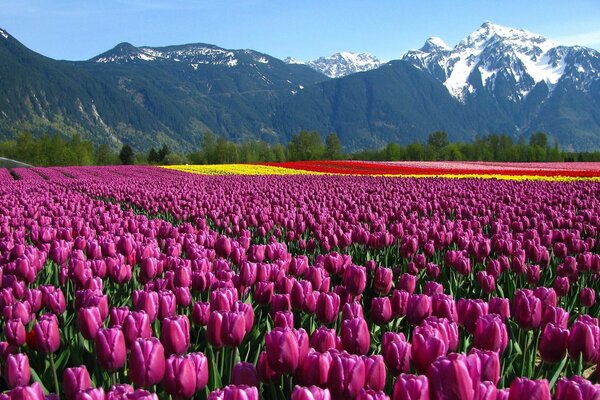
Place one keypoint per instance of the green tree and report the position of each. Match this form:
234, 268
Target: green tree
333, 147
305, 146
539, 139
126, 155
103, 155
152, 156
162, 153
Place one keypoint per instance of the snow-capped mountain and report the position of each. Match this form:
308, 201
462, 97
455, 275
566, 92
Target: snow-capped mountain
506, 62
341, 64
192, 54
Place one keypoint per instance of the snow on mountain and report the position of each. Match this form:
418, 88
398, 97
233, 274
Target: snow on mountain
193, 54
494, 54
292, 60
342, 63
3, 34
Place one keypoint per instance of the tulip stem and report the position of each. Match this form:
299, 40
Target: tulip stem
56, 388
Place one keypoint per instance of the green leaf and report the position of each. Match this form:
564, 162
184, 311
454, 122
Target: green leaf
38, 380
557, 371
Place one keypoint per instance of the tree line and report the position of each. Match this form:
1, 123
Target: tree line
57, 150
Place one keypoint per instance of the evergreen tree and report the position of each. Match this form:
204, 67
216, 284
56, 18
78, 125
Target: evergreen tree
333, 147
153, 156
126, 155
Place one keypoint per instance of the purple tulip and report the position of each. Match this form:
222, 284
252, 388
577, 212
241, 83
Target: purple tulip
200, 363
328, 306
110, 349
315, 369
233, 392
396, 353
382, 280
31, 392
444, 306
136, 325
180, 377
47, 336
407, 282
17, 370
576, 388
428, 343
244, 373
175, 334
490, 364
375, 374
553, 343
527, 310
74, 380
370, 394
89, 321
355, 336
310, 393
147, 362
411, 387
469, 312
146, 301
282, 350
450, 378
381, 310
555, 315
323, 339
584, 339
355, 279
418, 308
526, 389
90, 394
399, 303
346, 375
15, 332
587, 297
490, 333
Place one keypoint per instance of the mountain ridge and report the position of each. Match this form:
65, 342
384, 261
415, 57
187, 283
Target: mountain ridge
495, 80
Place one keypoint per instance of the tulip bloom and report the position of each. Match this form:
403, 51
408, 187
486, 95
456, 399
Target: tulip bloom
244, 373
418, 308
428, 343
553, 343
411, 387
15, 332
576, 388
135, 326
283, 351
328, 306
584, 339
383, 280
90, 394
525, 389
375, 374
527, 310
175, 334
233, 392
147, 362
17, 370
110, 349
47, 336
117, 316
490, 333
200, 368
323, 339
396, 353
587, 297
381, 310
180, 377
444, 306
450, 379
310, 393
489, 363
469, 311
74, 380
89, 321
355, 335
315, 369
346, 375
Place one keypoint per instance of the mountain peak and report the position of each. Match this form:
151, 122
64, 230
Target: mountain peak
292, 60
345, 63
434, 43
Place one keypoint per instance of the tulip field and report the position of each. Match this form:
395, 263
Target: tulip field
309, 280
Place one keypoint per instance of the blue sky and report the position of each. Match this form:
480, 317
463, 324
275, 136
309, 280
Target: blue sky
77, 30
